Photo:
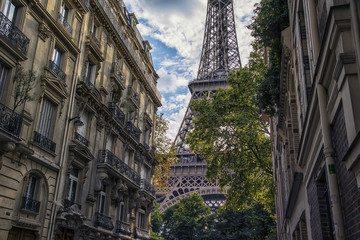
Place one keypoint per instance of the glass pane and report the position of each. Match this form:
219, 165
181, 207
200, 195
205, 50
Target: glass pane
30, 191
3, 74
74, 172
56, 58
73, 191
9, 10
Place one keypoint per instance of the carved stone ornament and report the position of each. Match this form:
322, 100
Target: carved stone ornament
44, 32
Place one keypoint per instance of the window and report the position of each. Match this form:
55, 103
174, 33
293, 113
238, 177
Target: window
141, 219
109, 142
3, 74
90, 73
56, 57
32, 189
143, 172
73, 184
121, 211
126, 158
102, 199
64, 12
47, 118
9, 10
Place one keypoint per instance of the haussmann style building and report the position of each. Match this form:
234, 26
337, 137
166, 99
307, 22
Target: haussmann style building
77, 157
316, 135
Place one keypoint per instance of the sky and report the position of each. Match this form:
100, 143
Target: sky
175, 31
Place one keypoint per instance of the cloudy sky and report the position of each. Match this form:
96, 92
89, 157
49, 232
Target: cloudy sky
175, 30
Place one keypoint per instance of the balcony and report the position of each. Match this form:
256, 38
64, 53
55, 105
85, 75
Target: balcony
31, 205
123, 228
117, 74
148, 187
119, 115
57, 70
107, 157
134, 96
10, 121
65, 24
68, 204
142, 234
134, 131
44, 142
103, 221
13, 34
81, 139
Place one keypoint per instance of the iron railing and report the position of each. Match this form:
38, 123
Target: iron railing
44, 142
57, 70
134, 131
123, 228
119, 115
10, 121
105, 156
134, 96
81, 139
65, 24
103, 221
145, 185
68, 204
142, 234
31, 205
17, 38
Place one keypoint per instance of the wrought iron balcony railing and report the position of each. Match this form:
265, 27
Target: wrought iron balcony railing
134, 131
68, 204
57, 70
65, 24
119, 115
81, 139
142, 234
103, 222
13, 34
10, 121
145, 185
134, 96
44, 142
31, 205
123, 228
105, 156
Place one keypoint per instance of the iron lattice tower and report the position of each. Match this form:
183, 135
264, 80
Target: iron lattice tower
220, 55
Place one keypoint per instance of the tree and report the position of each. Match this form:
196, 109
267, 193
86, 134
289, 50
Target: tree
186, 219
24, 82
234, 141
165, 153
253, 223
156, 222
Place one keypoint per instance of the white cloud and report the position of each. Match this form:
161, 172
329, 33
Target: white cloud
179, 25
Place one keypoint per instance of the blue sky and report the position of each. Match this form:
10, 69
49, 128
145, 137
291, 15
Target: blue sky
175, 30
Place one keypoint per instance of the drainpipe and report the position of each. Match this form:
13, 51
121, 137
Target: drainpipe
329, 152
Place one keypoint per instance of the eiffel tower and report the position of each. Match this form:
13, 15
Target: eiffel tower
220, 56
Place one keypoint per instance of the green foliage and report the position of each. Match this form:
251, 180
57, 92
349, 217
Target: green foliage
270, 19
156, 222
165, 153
186, 219
253, 223
24, 83
234, 141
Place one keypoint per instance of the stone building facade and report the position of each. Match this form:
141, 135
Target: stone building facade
77, 159
315, 138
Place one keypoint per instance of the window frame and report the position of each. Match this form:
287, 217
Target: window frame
72, 179
50, 127
102, 200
